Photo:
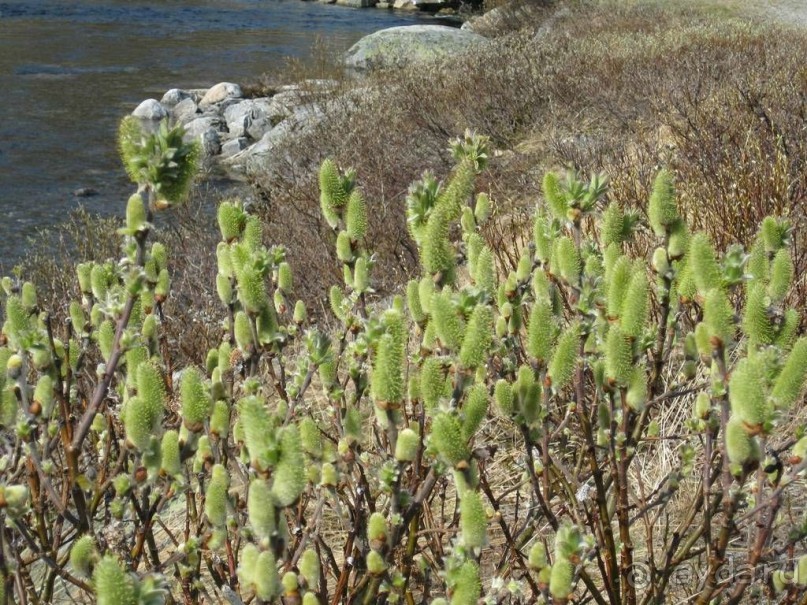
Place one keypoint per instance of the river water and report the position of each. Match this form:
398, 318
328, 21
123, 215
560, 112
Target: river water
69, 70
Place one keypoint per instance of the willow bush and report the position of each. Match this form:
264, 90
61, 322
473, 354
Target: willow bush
358, 464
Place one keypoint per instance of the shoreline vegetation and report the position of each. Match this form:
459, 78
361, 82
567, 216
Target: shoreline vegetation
517, 322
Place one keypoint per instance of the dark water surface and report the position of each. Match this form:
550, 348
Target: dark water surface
69, 70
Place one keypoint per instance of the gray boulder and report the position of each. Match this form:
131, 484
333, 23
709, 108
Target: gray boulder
221, 92
150, 109
230, 148
356, 3
173, 97
185, 110
401, 46
196, 128
254, 117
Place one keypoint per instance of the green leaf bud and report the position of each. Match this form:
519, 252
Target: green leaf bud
266, 579
196, 402
718, 317
561, 578
478, 337
564, 361
636, 305
289, 476
243, 331
747, 395
618, 356
789, 385
216, 497
261, 509
83, 555
407, 445
356, 216
473, 521
448, 441
475, 410
310, 568
170, 457
662, 210
113, 586
567, 260
503, 395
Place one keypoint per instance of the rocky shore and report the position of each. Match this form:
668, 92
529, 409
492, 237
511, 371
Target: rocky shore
239, 133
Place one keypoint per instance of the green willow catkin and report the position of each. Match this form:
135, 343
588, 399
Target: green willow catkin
473, 520
553, 194
447, 439
413, 302
485, 272
432, 383
260, 508
216, 497
662, 210
567, 260
478, 337
636, 305
466, 587
243, 332
740, 446
612, 225
718, 316
220, 419
83, 555
231, 219
407, 445
258, 430
289, 475
771, 233
251, 289
195, 399
113, 586
789, 385
449, 326
475, 410
169, 454
756, 321
561, 578
503, 395
310, 568
266, 579
618, 356
387, 382
377, 531
564, 360
331, 185
541, 332
618, 283
356, 216
782, 271
542, 237
703, 261
749, 402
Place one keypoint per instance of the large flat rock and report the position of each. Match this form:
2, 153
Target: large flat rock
400, 46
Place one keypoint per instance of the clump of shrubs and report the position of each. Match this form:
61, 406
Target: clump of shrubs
357, 464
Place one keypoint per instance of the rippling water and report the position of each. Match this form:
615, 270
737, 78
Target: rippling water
69, 70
